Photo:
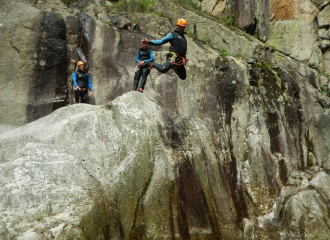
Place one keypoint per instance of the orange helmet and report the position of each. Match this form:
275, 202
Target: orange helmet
80, 63
181, 22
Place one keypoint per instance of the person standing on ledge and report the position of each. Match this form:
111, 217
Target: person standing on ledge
144, 56
176, 59
82, 82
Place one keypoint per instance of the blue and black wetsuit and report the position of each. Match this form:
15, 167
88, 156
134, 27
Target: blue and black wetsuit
82, 80
178, 46
146, 55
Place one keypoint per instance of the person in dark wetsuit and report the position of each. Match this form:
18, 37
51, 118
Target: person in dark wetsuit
177, 56
144, 56
82, 82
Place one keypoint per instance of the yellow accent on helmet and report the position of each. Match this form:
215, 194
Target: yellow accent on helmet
181, 22
80, 63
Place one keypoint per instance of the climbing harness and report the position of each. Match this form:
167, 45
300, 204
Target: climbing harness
177, 60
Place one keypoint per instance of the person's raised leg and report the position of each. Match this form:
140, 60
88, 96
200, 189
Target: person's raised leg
166, 66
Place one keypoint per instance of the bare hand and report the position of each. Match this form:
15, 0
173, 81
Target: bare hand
91, 94
186, 60
145, 41
141, 63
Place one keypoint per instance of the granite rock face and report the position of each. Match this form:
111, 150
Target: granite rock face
281, 24
238, 150
34, 63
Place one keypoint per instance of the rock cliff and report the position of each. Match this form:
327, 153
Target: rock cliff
297, 28
238, 150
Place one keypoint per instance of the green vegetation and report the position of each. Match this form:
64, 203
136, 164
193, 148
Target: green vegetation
267, 65
324, 90
327, 75
160, 13
206, 40
229, 21
191, 34
256, 35
238, 56
190, 3
224, 52
141, 6
59, 15
135, 21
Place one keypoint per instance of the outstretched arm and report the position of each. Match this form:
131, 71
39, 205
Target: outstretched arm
166, 39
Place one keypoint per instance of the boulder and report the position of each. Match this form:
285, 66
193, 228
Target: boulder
323, 19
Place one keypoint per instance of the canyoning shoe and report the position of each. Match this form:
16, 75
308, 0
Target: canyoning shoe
140, 90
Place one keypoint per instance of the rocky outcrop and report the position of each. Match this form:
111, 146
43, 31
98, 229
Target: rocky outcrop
222, 162
289, 26
34, 81
240, 149
323, 19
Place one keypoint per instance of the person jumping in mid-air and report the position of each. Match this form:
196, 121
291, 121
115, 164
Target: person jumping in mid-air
144, 56
176, 59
